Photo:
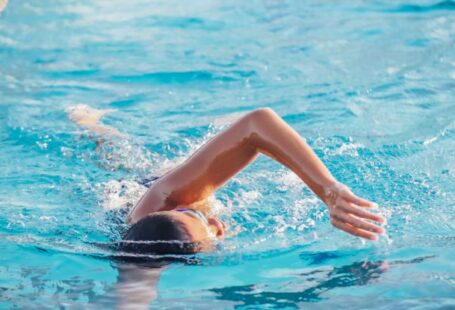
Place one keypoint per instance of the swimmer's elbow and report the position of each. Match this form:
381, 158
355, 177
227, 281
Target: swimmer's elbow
258, 120
255, 125
261, 115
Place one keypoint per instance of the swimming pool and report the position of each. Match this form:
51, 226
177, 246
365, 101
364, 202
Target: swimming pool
371, 85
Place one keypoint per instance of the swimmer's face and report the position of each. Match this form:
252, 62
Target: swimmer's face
199, 229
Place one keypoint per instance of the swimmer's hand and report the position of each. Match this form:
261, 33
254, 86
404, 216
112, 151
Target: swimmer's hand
347, 212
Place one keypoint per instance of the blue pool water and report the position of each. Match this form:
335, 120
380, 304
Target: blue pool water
370, 84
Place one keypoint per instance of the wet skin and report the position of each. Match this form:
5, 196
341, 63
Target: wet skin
259, 132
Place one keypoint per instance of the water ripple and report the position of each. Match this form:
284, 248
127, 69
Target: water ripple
183, 77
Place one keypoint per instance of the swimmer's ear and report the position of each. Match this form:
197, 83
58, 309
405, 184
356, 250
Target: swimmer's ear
218, 225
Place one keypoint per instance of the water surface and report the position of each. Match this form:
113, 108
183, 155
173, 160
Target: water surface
369, 84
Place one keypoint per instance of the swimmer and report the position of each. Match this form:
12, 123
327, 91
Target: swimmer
173, 215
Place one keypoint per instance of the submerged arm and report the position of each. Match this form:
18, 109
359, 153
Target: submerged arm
261, 131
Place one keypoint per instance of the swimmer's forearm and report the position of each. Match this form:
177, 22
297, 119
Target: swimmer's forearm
272, 136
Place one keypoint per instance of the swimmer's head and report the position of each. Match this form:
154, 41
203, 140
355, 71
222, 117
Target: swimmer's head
181, 231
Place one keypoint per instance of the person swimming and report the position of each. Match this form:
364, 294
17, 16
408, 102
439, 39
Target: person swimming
172, 217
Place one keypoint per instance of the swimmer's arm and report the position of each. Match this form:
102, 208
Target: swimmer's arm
260, 131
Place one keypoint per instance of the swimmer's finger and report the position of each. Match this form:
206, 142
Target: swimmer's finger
361, 212
358, 223
353, 231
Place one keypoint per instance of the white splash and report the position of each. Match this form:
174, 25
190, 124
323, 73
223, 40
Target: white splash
350, 149
121, 194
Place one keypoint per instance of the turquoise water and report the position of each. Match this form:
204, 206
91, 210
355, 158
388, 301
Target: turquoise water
371, 85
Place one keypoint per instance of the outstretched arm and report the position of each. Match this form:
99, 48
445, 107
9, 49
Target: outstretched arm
260, 131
